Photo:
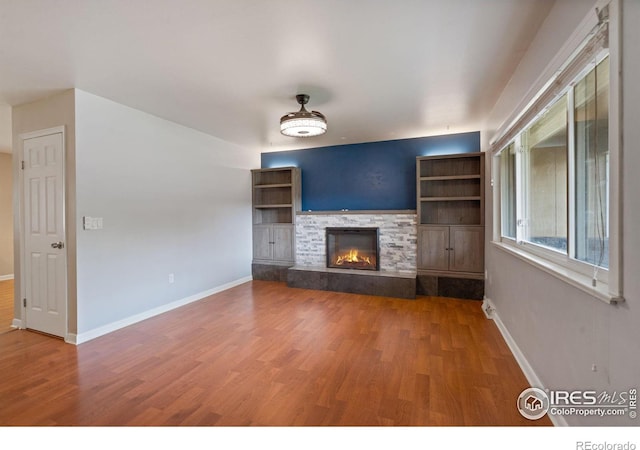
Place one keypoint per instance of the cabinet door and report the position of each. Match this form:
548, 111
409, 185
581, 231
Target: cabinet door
467, 249
283, 238
433, 253
262, 247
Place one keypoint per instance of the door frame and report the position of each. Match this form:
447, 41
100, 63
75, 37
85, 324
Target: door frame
21, 292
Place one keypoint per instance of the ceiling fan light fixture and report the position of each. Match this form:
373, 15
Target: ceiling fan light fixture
303, 123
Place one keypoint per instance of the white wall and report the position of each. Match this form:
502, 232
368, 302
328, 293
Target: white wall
6, 188
173, 200
562, 331
6, 215
5, 128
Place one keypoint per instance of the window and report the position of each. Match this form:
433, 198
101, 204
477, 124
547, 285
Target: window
545, 150
540, 215
555, 163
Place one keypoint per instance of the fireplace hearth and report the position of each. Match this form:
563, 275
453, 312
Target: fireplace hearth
353, 248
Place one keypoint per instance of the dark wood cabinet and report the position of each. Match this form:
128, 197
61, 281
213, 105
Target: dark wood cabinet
274, 243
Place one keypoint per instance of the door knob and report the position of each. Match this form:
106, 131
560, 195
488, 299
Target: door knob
57, 244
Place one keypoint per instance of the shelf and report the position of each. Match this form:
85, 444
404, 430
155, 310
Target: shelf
268, 186
451, 177
449, 199
455, 167
283, 205
281, 177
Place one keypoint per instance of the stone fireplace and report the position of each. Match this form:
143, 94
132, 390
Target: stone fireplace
352, 248
391, 242
397, 236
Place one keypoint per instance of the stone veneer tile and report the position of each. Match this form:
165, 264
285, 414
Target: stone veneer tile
398, 237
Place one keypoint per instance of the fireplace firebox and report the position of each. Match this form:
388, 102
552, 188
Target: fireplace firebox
353, 248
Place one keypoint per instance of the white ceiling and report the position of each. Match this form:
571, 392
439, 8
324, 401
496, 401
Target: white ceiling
378, 69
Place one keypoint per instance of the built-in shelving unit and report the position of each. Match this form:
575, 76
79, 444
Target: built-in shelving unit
276, 195
276, 199
450, 191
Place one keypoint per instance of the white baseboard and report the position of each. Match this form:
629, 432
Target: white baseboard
534, 381
16, 323
6, 277
113, 326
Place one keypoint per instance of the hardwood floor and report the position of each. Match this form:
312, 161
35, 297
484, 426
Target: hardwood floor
265, 354
6, 305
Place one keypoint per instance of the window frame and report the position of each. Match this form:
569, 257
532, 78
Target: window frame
602, 283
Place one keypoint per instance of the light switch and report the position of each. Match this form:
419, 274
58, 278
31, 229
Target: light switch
92, 223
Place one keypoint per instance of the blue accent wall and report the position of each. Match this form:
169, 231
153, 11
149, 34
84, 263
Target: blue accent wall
374, 175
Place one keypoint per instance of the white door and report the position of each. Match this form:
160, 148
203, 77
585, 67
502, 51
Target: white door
45, 279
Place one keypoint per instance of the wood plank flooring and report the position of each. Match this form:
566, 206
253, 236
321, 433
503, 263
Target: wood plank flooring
6, 305
265, 354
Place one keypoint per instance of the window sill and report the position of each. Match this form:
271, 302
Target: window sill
578, 280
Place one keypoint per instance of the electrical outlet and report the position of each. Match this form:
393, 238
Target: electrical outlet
171, 278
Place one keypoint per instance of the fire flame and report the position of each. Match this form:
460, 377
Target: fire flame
352, 257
